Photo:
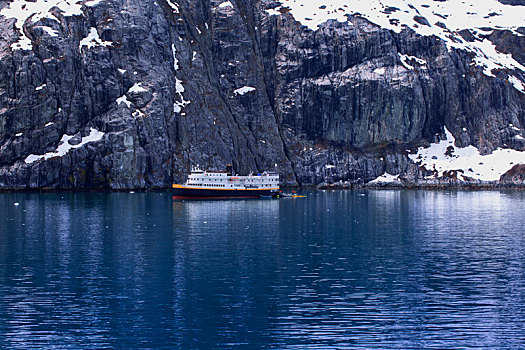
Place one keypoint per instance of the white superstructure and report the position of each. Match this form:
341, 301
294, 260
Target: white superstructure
224, 180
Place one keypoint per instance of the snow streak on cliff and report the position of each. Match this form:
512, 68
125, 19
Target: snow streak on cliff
443, 19
96, 93
23, 11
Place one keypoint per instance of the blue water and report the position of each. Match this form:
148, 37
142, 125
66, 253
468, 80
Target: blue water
356, 269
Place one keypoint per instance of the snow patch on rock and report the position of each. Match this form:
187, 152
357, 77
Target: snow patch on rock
64, 147
386, 178
92, 3
226, 4
243, 90
173, 6
445, 156
93, 40
49, 31
489, 58
138, 114
179, 89
123, 99
32, 11
443, 19
518, 84
408, 61
136, 88
175, 60
274, 12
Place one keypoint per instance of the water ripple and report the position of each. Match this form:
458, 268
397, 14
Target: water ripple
338, 269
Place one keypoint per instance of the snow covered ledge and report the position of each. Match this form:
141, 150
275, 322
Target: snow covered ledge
445, 156
386, 178
64, 147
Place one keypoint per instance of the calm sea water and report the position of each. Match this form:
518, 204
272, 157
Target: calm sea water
356, 269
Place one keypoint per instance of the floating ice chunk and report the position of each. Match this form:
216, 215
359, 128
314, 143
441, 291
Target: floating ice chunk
243, 90
121, 71
93, 40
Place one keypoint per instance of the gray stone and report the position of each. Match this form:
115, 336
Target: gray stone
318, 114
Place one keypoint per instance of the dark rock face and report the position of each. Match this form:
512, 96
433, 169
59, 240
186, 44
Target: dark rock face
200, 82
514, 175
513, 2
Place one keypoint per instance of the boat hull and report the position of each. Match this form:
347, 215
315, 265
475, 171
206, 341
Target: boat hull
204, 193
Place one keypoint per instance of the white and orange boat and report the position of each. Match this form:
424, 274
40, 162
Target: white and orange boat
225, 184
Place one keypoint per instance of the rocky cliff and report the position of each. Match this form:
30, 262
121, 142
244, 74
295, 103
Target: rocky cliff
130, 94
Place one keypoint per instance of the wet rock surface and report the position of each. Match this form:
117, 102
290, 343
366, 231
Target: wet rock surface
176, 84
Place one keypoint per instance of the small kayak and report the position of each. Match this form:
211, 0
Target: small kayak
290, 195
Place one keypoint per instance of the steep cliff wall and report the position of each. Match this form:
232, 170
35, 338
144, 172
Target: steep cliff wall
129, 94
